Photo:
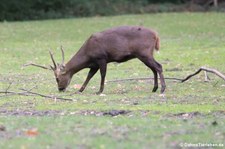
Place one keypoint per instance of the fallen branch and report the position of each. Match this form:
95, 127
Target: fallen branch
36, 65
176, 79
214, 71
10, 93
142, 78
30, 93
46, 96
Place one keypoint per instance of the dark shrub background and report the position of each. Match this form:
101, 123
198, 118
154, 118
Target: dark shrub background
45, 9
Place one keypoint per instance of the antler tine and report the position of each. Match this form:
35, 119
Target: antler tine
53, 60
63, 58
32, 64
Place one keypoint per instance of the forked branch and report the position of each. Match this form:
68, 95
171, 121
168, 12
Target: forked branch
176, 79
216, 72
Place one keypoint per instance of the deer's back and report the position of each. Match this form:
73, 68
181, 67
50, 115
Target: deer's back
120, 43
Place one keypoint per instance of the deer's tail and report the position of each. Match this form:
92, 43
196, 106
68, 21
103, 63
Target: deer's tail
157, 44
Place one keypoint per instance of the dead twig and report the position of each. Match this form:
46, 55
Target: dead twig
206, 77
8, 86
36, 65
10, 93
46, 96
214, 71
30, 93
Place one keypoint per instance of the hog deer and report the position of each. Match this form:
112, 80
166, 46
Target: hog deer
117, 44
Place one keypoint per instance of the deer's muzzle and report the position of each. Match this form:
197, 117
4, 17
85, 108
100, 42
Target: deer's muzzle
61, 89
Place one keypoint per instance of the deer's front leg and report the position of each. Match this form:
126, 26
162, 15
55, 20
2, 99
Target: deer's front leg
91, 73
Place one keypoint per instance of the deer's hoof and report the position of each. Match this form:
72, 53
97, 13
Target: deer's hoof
81, 89
155, 89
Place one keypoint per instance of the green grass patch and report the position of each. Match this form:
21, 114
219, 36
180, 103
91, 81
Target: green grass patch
191, 112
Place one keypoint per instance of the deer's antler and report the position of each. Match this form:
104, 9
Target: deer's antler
55, 67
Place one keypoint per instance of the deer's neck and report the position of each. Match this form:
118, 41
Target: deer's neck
76, 63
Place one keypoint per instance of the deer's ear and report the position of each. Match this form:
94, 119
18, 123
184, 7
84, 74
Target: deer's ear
63, 72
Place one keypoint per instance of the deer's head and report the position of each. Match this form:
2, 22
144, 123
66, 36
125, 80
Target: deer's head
62, 77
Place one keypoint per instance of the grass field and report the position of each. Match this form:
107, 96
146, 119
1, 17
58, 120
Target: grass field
190, 113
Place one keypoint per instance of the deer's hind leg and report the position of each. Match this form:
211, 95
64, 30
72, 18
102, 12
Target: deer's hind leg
156, 68
103, 68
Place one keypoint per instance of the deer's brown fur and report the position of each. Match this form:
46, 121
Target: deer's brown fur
117, 44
